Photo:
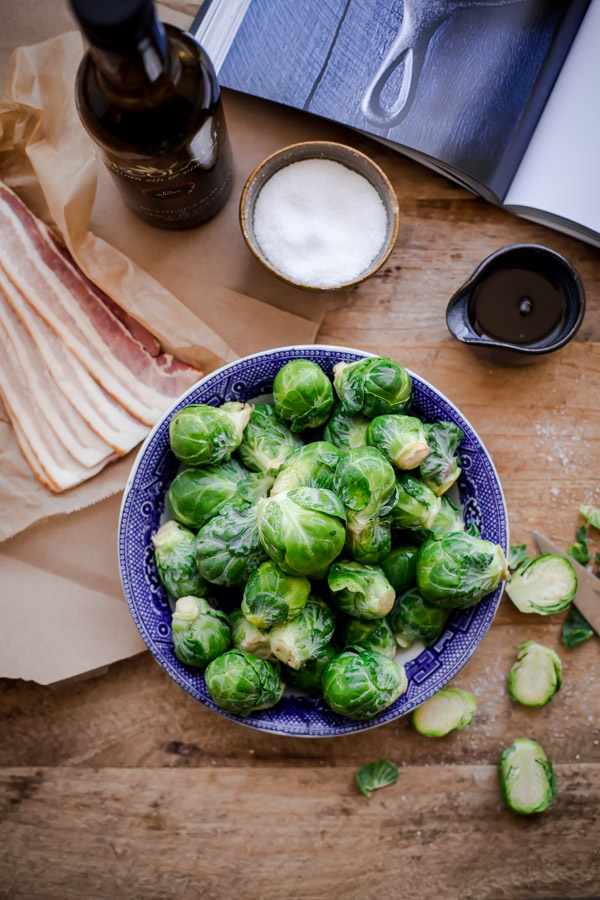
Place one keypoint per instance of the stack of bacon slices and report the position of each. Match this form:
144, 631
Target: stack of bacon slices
82, 381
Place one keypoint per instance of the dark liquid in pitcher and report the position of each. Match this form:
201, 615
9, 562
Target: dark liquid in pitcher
518, 306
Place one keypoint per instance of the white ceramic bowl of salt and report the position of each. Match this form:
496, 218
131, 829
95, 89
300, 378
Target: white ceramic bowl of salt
319, 215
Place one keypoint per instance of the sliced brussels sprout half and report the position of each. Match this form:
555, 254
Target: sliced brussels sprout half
373, 387
441, 468
202, 435
302, 530
591, 514
302, 638
200, 633
302, 395
414, 619
228, 548
266, 441
174, 551
346, 431
196, 495
366, 483
246, 636
368, 543
400, 566
416, 505
517, 555
360, 590
449, 710
458, 570
371, 634
312, 465
527, 777
545, 585
241, 683
575, 629
362, 683
401, 439
308, 677
377, 774
536, 676
271, 596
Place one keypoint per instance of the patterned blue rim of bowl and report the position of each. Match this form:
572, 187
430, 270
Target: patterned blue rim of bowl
143, 504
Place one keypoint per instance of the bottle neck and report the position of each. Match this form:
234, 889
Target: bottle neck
139, 68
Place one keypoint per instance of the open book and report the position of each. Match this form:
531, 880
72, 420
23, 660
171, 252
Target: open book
500, 95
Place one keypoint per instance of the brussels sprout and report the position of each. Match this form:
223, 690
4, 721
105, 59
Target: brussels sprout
241, 683
362, 683
228, 548
441, 467
378, 774
448, 710
579, 550
309, 676
303, 638
457, 570
527, 777
517, 555
359, 590
203, 435
544, 585
366, 484
196, 495
272, 596
414, 619
417, 506
246, 636
370, 543
591, 514
373, 387
400, 567
302, 395
345, 431
401, 439
175, 561
536, 676
200, 633
575, 629
266, 442
374, 634
449, 520
310, 466
303, 530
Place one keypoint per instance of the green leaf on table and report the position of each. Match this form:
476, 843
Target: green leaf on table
377, 774
591, 514
597, 558
575, 629
517, 555
579, 550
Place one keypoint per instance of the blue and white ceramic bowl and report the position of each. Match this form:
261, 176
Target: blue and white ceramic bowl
143, 505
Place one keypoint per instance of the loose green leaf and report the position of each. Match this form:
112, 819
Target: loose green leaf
517, 555
579, 550
575, 629
597, 558
377, 774
591, 514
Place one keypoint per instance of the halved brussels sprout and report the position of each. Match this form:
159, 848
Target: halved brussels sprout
228, 548
401, 439
400, 567
200, 633
345, 431
575, 629
592, 514
441, 468
449, 710
310, 674
366, 484
544, 585
527, 777
196, 495
241, 683
272, 596
266, 442
302, 395
536, 676
202, 435
359, 590
416, 506
174, 551
302, 638
457, 570
368, 543
374, 634
246, 636
312, 465
373, 387
303, 530
362, 683
414, 619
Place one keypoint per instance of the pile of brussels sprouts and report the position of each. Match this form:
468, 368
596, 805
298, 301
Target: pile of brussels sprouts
327, 510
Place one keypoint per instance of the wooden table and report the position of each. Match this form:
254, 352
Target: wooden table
123, 786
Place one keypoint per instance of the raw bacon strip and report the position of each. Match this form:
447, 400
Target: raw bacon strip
107, 418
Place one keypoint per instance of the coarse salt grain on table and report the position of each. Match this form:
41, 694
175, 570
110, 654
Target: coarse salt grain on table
319, 223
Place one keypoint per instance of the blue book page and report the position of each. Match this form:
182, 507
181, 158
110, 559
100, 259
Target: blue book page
460, 81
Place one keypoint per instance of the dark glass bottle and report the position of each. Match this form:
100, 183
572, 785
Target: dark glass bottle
148, 95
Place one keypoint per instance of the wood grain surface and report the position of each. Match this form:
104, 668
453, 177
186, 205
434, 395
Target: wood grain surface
124, 787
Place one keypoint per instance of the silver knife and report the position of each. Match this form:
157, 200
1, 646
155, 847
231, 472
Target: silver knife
587, 598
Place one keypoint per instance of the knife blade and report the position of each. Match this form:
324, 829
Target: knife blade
587, 598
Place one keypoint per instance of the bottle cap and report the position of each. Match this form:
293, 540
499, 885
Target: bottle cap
114, 24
